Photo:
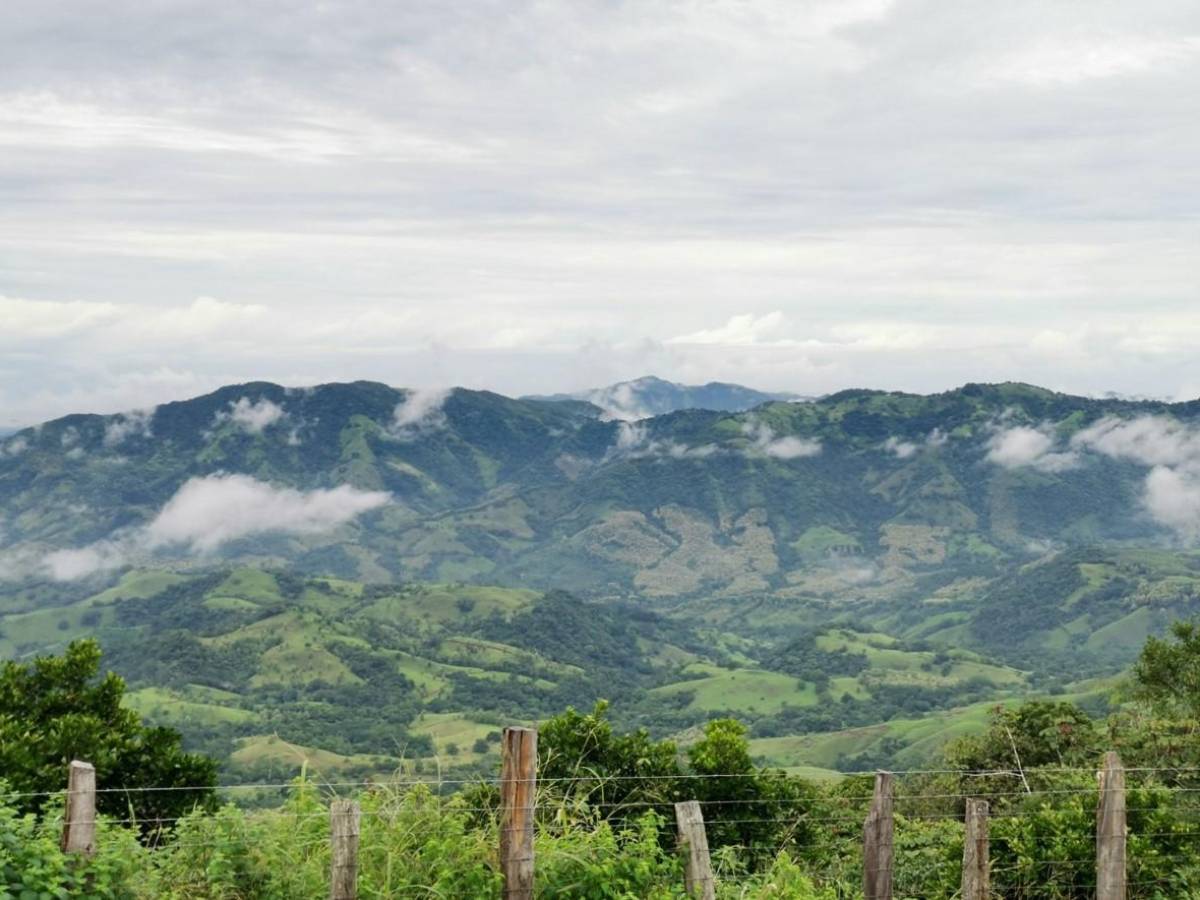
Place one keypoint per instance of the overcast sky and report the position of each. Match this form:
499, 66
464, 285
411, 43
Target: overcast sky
536, 196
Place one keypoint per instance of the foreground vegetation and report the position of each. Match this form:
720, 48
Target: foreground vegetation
604, 827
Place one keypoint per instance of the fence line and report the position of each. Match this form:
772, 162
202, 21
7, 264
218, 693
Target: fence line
435, 781
518, 804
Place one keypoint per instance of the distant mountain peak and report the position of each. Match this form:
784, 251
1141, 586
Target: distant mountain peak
649, 395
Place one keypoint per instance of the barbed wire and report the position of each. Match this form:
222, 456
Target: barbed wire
604, 779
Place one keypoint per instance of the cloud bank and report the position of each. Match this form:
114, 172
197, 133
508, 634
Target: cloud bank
1022, 446
511, 195
73, 564
1171, 493
1170, 449
209, 512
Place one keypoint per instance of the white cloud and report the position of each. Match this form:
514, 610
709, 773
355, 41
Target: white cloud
211, 511
39, 319
742, 330
73, 564
251, 416
1149, 440
901, 448
14, 446
676, 450
620, 402
633, 442
419, 411
135, 423
1172, 497
630, 436
495, 194
1024, 447
1056, 61
1168, 447
1172, 449
766, 442
208, 512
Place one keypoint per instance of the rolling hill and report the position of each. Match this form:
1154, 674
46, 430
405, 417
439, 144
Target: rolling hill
262, 668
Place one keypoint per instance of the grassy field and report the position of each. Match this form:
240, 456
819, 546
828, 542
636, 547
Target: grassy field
922, 737
742, 690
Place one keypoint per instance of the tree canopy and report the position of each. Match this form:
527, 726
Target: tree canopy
59, 708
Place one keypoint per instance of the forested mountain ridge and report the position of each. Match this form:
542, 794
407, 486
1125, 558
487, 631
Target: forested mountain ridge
642, 398
853, 494
865, 566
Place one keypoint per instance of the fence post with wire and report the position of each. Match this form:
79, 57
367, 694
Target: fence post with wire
975, 865
344, 819
1110, 830
518, 796
878, 835
79, 816
697, 873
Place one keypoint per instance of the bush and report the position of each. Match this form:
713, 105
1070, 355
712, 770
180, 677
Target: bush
33, 866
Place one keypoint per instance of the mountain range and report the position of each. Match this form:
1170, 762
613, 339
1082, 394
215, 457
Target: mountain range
645, 397
837, 563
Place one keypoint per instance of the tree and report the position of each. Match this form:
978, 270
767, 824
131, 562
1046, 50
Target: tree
57, 708
623, 775
1167, 674
1159, 732
745, 806
1035, 734
579, 754
1045, 735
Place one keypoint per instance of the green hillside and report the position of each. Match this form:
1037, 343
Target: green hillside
265, 669
381, 574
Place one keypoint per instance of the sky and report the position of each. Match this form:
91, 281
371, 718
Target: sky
546, 196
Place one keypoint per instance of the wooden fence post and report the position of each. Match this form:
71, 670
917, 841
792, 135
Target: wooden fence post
344, 820
697, 873
975, 876
518, 789
1110, 830
79, 817
878, 851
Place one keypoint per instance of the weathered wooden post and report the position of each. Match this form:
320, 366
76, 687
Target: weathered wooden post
697, 872
878, 851
1110, 830
344, 821
518, 789
79, 817
975, 876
